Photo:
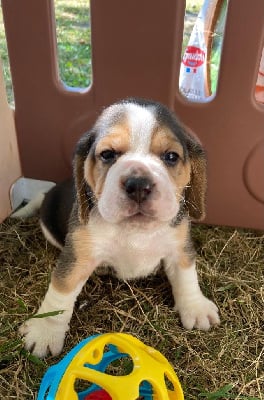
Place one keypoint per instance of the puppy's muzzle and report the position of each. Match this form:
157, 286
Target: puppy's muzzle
138, 188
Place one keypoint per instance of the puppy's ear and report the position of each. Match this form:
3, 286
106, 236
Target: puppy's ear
83, 190
196, 190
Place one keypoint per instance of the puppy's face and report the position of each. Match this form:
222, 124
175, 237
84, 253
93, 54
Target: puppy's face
137, 163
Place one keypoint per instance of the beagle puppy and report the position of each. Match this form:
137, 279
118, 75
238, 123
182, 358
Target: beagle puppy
139, 178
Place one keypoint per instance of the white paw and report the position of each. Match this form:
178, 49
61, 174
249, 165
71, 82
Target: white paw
42, 336
198, 312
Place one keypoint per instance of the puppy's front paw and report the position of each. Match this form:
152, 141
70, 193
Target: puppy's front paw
41, 336
198, 312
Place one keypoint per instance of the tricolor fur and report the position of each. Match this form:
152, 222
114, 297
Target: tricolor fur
140, 178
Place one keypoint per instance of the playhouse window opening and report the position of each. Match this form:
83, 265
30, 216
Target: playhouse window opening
201, 50
4, 61
259, 92
74, 42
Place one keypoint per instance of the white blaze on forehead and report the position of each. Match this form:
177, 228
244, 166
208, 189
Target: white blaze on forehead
141, 122
110, 116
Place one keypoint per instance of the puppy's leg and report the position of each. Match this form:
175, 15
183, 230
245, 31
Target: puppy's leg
74, 267
47, 334
196, 311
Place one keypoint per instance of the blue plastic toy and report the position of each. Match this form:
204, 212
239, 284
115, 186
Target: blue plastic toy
89, 360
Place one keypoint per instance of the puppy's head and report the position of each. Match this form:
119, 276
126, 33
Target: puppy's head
139, 165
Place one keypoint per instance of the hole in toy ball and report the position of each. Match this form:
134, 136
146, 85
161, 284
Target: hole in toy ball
81, 385
145, 391
122, 366
168, 383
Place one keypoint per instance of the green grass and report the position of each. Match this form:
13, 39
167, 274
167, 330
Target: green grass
74, 42
194, 5
5, 61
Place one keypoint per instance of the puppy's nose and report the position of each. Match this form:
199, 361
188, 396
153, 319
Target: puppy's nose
138, 188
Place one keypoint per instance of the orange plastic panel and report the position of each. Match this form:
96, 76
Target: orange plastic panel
137, 52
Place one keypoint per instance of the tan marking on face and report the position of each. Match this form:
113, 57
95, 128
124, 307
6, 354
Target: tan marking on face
118, 139
83, 264
180, 175
163, 140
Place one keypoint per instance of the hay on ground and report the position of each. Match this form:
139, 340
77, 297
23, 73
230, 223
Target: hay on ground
230, 265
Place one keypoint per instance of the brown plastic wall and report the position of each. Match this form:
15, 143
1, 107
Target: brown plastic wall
137, 52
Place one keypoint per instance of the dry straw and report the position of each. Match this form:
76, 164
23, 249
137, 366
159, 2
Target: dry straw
225, 363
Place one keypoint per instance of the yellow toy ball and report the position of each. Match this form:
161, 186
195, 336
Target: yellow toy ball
149, 378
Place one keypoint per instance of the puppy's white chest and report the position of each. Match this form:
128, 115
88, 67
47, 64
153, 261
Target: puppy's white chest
132, 254
136, 256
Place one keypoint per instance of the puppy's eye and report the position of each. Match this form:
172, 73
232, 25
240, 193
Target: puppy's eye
170, 158
108, 156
